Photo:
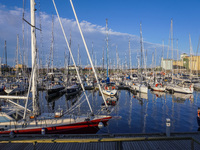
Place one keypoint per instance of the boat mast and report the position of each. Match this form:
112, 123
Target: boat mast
107, 45
73, 59
190, 55
88, 53
17, 62
177, 56
129, 56
33, 51
6, 55
78, 64
155, 59
141, 47
117, 59
52, 44
172, 47
162, 52
103, 62
92, 52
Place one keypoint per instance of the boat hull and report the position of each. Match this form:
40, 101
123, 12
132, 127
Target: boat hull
85, 127
110, 92
140, 88
159, 89
54, 90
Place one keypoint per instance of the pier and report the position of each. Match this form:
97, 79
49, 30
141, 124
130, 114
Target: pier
188, 141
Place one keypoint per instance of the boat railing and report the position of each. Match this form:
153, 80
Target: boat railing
41, 122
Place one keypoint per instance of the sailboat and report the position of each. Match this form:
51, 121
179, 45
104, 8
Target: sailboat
72, 87
16, 85
140, 86
48, 123
53, 84
108, 87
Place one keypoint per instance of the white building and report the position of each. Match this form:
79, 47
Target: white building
167, 64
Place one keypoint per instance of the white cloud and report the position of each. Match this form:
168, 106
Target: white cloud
11, 25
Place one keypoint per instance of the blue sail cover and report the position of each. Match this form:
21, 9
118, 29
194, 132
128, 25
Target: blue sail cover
128, 77
108, 80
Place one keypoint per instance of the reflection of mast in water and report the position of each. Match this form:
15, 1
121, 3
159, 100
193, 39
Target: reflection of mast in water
41, 97
93, 98
140, 98
126, 97
117, 108
173, 120
96, 100
145, 116
197, 93
130, 111
163, 110
154, 107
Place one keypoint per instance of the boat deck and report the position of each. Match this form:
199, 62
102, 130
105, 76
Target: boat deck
103, 141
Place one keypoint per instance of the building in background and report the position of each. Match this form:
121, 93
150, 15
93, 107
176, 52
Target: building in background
166, 64
185, 64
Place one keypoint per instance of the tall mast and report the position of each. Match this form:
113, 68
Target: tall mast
190, 55
155, 57
73, 59
52, 44
117, 58
33, 50
162, 51
86, 48
103, 61
17, 62
129, 56
177, 55
107, 45
141, 46
6, 54
78, 64
172, 38
172, 46
92, 53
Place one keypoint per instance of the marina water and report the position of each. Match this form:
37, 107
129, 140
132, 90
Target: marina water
135, 112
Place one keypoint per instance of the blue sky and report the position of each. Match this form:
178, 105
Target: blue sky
124, 19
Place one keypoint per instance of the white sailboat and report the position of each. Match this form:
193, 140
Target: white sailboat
140, 86
108, 88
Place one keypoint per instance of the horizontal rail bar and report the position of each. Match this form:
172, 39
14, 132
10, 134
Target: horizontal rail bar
12, 97
97, 140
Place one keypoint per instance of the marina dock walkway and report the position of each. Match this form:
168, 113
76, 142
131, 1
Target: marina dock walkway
155, 141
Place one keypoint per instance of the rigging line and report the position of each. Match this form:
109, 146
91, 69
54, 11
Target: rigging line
88, 52
31, 24
72, 58
77, 104
23, 35
41, 37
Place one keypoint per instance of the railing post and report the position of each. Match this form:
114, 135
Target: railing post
192, 144
168, 124
34, 145
119, 145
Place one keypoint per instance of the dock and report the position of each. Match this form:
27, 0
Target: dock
176, 141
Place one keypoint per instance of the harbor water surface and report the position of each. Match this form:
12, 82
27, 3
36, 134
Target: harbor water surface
134, 113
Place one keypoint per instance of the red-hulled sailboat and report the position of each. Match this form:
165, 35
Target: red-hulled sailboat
49, 123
